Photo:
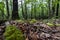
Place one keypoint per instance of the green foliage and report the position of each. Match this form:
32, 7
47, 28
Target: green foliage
12, 33
34, 9
2, 6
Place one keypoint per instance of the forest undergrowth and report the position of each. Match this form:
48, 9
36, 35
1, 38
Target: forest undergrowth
32, 29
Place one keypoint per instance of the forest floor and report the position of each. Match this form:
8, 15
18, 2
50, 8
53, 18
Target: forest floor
36, 30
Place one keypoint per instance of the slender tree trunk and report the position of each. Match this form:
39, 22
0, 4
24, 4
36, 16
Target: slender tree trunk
53, 8
31, 10
42, 11
3, 14
57, 9
25, 10
7, 9
39, 15
49, 12
35, 10
22, 9
15, 10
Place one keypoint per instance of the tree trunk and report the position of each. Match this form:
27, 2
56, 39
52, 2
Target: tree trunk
31, 10
15, 10
49, 12
57, 9
53, 8
35, 11
7, 9
25, 10
22, 9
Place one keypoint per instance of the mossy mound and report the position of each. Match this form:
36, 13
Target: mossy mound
33, 21
12, 33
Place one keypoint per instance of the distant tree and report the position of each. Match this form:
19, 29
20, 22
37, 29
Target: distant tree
42, 6
53, 7
32, 9
49, 6
57, 9
49, 11
7, 9
15, 10
35, 9
25, 9
22, 9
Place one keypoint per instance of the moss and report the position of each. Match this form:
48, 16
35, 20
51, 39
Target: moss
33, 21
12, 33
50, 24
57, 24
21, 21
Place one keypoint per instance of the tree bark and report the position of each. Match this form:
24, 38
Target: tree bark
31, 10
57, 9
49, 12
53, 8
22, 9
35, 11
25, 10
7, 9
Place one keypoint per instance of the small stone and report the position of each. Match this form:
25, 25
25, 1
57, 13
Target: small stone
47, 35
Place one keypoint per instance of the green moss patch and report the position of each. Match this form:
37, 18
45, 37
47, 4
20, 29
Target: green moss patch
12, 33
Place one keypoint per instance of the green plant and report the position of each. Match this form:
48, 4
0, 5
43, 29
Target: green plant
12, 33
